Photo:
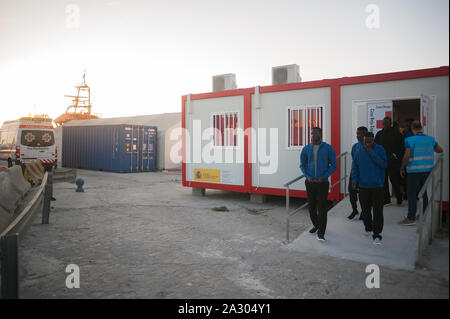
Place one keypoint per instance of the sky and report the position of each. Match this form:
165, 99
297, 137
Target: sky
140, 57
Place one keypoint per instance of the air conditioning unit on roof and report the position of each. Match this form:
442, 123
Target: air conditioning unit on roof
224, 82
286, 74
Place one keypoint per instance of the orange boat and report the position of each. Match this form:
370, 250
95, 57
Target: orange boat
81, 105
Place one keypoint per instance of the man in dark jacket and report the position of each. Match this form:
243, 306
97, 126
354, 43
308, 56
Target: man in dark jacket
368, 169
360, 132
392, 141
317, 162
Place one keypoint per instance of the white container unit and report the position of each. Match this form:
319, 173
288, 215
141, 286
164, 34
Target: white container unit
286, 113
215, 159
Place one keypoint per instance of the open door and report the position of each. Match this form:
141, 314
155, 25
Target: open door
428, 113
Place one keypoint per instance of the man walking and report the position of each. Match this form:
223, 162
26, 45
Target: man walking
368, 172
419, 161
317, 162
392, 141
360, 132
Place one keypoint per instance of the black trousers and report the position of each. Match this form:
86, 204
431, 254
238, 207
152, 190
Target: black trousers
317, 202
353, 195
372, 199
393, 171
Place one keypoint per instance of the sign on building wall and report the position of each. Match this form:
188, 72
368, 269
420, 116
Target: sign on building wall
207, 175
376, 112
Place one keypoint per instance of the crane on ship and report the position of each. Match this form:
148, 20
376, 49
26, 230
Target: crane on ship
81, 105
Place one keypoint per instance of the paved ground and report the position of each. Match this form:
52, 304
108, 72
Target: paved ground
145, 236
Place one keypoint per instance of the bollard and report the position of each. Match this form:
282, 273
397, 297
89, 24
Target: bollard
50, 182
10, 266
80, 183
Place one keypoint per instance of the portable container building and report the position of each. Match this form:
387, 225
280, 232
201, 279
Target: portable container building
116, 148
258, 133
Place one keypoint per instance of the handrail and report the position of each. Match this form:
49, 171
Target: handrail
427, 181
427, 226
288, 214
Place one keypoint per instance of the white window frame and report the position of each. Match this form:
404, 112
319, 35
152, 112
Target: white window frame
211, 119
304, 108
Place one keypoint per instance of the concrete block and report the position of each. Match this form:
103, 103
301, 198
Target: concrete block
13, 188
196, 191
258, 198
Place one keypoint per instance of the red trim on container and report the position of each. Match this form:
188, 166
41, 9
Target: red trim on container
183, 138
248, 140
277, 191
225, 187
336, 135
211, 95
295, 86
282, 192
445, 206
394, 76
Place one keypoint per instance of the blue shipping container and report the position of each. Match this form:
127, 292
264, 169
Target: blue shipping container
116, 148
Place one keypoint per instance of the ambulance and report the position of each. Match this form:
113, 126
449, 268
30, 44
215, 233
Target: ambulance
28, 139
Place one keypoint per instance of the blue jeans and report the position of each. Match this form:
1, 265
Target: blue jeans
415, 182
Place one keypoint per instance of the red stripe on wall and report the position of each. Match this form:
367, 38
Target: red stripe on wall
248, 140
37, 127
336, 136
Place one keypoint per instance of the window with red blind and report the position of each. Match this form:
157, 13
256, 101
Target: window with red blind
300, 122
225, 128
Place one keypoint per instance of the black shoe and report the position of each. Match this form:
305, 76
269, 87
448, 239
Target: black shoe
387, 202
399, 201
313, 230
53, 199
320, 237
353, 214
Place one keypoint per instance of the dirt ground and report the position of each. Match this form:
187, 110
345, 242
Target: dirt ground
144, 235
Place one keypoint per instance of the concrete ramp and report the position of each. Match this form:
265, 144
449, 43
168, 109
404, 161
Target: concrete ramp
345, 239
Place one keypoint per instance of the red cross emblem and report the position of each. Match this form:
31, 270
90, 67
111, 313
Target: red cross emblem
29, 137
380, 122
46, 137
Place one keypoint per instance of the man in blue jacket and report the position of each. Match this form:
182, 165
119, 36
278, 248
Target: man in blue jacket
368, 173
317, 162
360, 132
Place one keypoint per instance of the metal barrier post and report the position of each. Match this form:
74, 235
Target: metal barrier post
420, 228
287, 214
10, 266
430, 239
441, 181
46, 206
345, 175
50, 182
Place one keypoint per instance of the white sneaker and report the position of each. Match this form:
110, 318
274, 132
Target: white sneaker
377, 241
